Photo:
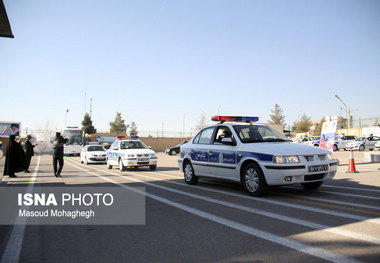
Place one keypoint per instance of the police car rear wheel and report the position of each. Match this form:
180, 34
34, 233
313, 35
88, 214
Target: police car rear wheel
313, 185
361, 148
121, 165
173, 152
189, 175
253, 180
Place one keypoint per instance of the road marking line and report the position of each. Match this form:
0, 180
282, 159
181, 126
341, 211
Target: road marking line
276, 202
333, 201
346, 233
331, 206
352, 188
13, 248
317, 252
318, 199
350, 195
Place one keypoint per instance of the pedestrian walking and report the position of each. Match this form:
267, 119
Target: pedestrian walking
1, 151
58, 142
14, 158
29, 152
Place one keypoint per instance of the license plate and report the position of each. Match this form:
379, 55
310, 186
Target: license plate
143, 159
318, 168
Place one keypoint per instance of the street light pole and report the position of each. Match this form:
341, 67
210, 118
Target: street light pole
67, 111
183, 131
347, 112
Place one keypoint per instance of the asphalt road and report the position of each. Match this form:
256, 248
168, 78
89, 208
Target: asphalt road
211, 222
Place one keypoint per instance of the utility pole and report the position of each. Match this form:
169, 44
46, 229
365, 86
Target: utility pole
67, 111
90, 107
183, 131
347, 112
162, 128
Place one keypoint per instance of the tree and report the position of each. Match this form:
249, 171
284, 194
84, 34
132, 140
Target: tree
133, 129
294, 126
376, 122
277, 116
201, 123
87, 126
318, 128
118, 125
304, 124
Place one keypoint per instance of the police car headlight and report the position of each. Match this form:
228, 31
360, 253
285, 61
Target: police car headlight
286, 159
330, 156
153, 155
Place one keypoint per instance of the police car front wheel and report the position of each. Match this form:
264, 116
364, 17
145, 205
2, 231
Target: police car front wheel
190, 177
121, 165
109, 166
253, 180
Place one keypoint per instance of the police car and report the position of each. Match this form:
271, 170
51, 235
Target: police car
255, 155
313, 141
363, 143
130, 153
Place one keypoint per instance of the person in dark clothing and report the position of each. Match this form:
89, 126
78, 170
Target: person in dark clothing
14, 158
29, 152
58, 142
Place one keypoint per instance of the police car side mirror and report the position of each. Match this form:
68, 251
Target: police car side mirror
149, 147
227, 141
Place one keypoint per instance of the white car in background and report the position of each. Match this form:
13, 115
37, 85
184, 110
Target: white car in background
93, 154
377, 145
341, 141
363, 143
313, 141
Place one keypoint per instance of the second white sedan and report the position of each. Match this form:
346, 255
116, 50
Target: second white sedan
377, 145
93, 154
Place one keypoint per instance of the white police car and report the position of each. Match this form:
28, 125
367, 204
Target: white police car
341, 141
377, 145
313, 141
130, 153
363, 143
255, 155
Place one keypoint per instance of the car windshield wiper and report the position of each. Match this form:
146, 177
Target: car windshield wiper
252, 141
276, 140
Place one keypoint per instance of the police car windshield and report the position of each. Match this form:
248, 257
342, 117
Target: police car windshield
95, 148
257, 133
132, 145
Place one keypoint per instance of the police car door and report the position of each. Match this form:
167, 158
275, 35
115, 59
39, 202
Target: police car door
113, 154
199, 151
222, 155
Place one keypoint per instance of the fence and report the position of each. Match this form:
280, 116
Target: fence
362, 123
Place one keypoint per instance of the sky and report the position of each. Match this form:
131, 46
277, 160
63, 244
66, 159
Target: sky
163, 64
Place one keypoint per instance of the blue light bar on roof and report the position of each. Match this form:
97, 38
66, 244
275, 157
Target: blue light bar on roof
235, 118
135, 137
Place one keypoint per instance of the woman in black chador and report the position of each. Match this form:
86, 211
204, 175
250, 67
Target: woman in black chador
14, 158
